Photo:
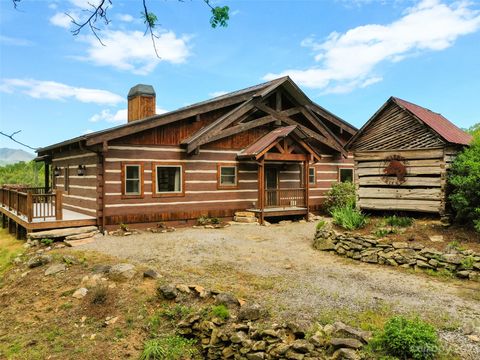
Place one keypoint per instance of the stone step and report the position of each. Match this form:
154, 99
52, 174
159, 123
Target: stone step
60, 233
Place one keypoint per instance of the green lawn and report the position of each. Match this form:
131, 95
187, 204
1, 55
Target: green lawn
9, 249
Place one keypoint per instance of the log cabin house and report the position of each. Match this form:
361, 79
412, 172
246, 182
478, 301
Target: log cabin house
267, 148
402, 155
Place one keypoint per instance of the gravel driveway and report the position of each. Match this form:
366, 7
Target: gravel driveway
277, 267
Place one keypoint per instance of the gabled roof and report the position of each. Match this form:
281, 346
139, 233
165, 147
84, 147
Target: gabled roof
229, 99
437, 122
265, 141
442, 127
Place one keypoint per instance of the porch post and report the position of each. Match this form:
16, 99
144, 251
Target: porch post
306, 185
30, 206
58, 205
261, 189
47, 177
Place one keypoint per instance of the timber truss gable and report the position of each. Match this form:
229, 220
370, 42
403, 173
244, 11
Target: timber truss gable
276, 107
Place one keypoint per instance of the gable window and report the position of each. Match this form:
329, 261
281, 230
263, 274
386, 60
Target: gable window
132, 179
345, 175
227, 176
66, 179
312, 176
168, 179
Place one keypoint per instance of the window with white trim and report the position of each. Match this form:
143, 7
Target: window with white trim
228, 176
312, 176
132, 181
168, 179
345, 175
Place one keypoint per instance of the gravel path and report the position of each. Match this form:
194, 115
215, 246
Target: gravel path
277, 266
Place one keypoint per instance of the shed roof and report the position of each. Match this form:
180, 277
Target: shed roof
437, 122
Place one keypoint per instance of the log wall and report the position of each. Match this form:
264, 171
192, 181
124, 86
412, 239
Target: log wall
424, 188
81, 195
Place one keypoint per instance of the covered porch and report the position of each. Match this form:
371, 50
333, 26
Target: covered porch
27, 209
283, 159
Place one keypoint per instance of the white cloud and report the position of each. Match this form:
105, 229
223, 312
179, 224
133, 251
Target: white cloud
132, 51
87, 131
217, 93
348, 60
7, 40
62, 20
118, 117
125, 17
57, 91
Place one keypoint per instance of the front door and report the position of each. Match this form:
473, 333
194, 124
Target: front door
271, 186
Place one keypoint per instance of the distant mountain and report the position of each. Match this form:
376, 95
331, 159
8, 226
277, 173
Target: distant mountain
11, 156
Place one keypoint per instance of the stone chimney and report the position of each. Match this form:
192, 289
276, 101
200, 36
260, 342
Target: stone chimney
141, 102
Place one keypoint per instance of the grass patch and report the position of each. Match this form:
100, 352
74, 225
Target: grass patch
321, 224
9, 249
169, 348
220, 311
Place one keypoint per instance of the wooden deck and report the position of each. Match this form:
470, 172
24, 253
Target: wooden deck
33, 209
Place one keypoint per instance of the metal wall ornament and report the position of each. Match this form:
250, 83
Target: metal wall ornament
394, 170
81, 170
56, 171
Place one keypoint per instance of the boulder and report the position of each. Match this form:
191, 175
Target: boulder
122, 272
39, 260
74, 243
226, 299
324, 244
400, 245
346, 343
82, 236
55, 269
245, 219
256, 356
453, 258
344, 330
101, 269
302, 346
245, 214
167, 292
80, 293
250, 312
151, 274
345, 354
60, 233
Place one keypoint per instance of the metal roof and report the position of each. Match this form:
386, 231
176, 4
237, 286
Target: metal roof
261, 144
437, 122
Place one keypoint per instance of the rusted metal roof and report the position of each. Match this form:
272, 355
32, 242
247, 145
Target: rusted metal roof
261, 144
437, 122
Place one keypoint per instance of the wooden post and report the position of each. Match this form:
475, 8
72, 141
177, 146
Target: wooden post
307, 186
261, 189
29, 206
47, 177
4, 221
58, 204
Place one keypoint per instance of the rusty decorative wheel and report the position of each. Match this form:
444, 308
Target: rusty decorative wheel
394, 170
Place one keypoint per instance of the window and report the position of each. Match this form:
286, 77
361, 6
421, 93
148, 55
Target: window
132, 179
227, 176
312, 176
345, 175
168, 179
66, 179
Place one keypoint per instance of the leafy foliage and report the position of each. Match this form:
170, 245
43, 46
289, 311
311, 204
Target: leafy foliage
220, 16
465, 181
321, 224
25, 173
340, 195
407, 338
400, 221
169, 348
349, 218
46, 241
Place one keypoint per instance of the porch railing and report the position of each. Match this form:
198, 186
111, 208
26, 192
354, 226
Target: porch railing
32, 203
294, 197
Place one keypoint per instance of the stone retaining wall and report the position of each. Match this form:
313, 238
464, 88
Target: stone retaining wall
464, 264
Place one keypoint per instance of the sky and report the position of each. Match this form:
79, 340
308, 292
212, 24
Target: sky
349, 56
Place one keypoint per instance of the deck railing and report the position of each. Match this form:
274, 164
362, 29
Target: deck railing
294, 197
32, 203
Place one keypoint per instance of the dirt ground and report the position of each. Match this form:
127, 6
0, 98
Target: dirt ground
277, 267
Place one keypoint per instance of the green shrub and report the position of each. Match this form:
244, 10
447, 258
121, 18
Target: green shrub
321, 224
176, 312
399, 221
46, 242
169, 348
382, 232
340, 195
467, 263
455, 245
221, 311
99, 294
349, 218
407, 339
464, 180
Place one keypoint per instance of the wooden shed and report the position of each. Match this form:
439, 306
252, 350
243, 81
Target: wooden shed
402, 155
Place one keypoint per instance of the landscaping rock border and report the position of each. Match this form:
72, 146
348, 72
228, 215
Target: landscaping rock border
463, 264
